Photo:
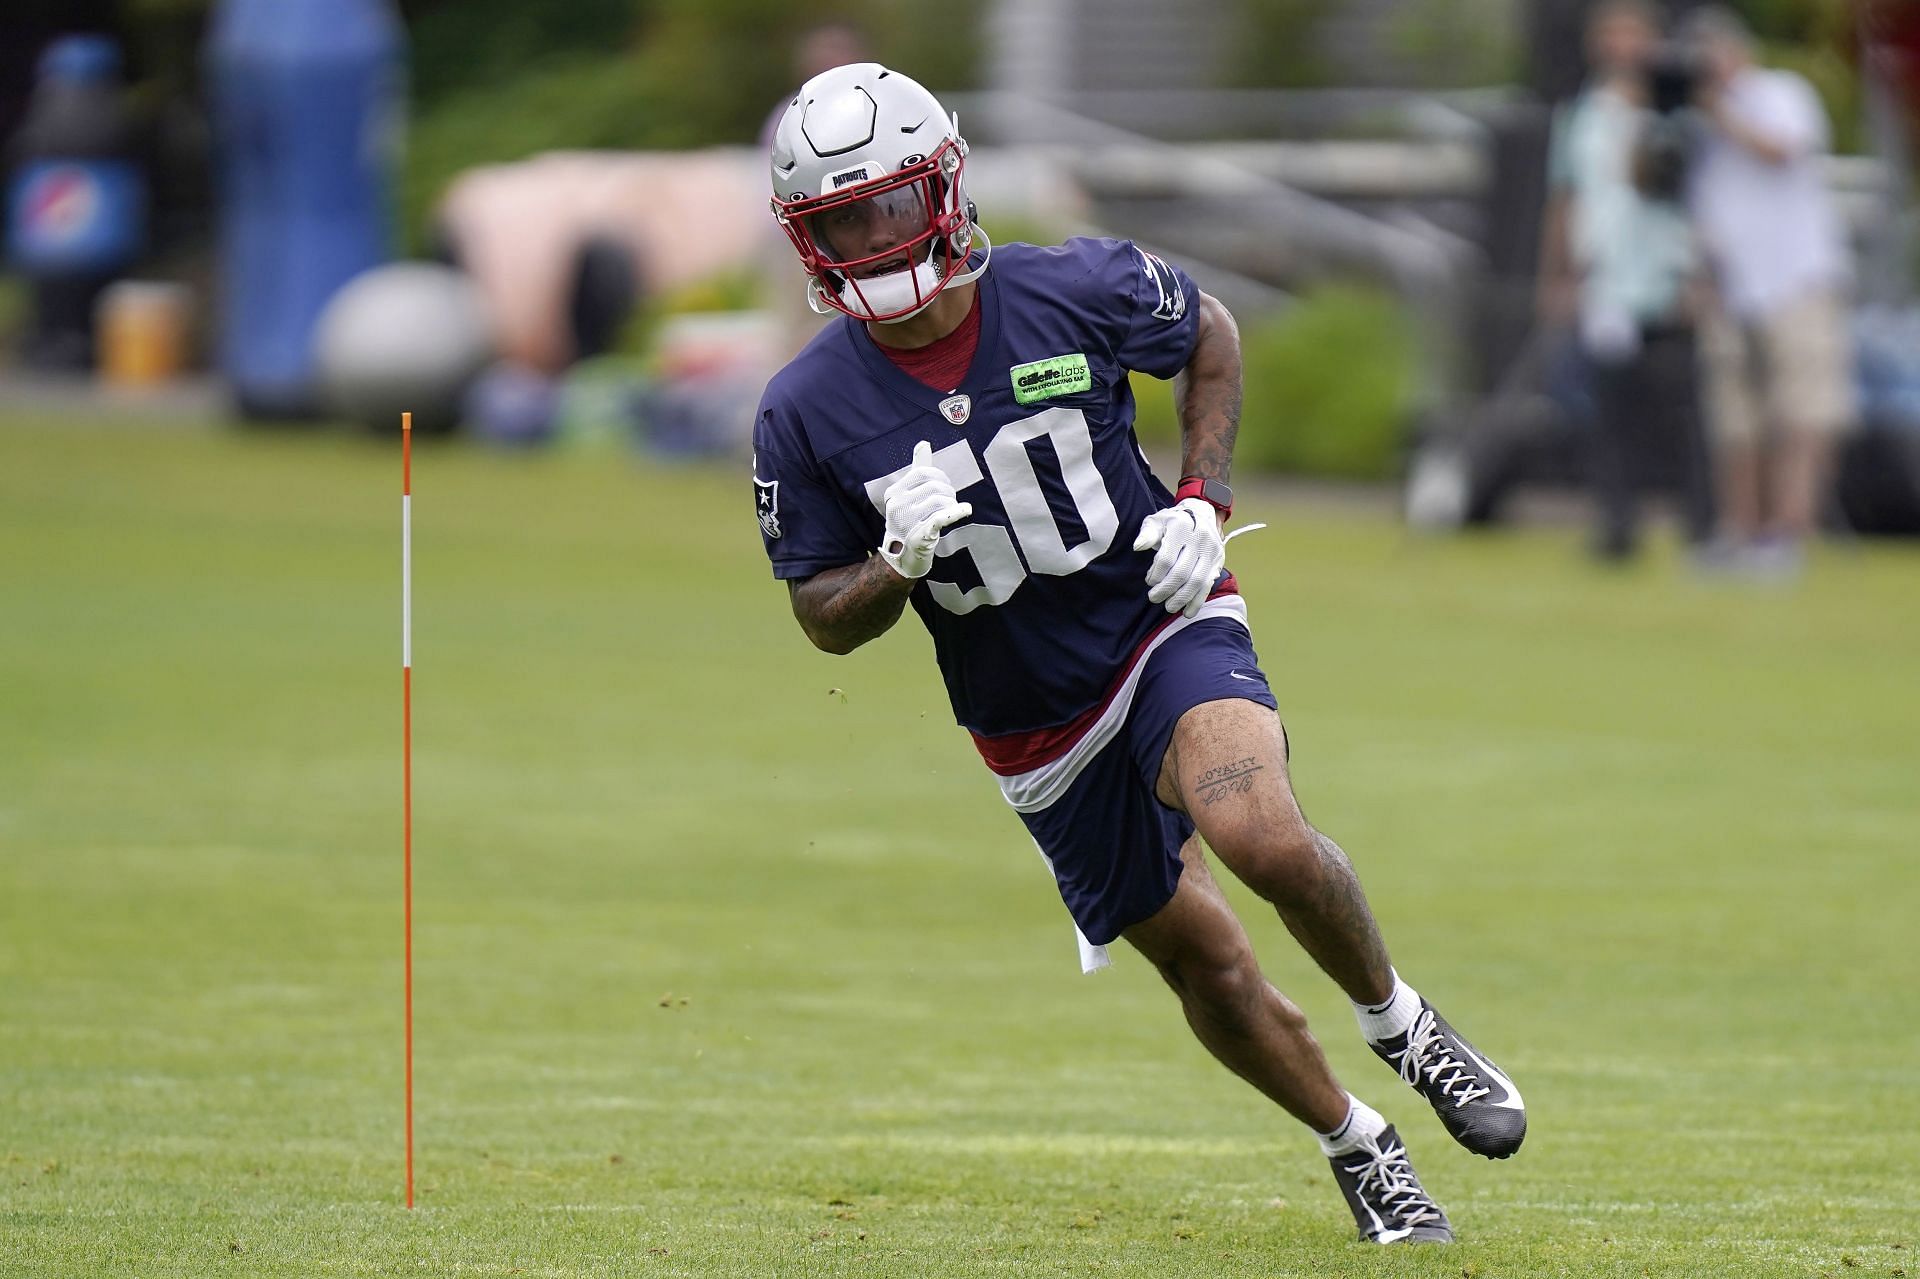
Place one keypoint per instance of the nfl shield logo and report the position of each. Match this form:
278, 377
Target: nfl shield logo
956, 409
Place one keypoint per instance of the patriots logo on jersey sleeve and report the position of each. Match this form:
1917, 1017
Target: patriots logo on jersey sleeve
1173, 300
766, 500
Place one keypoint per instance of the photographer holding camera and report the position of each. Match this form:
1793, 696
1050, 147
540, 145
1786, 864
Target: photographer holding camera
1619, 267
1776, 346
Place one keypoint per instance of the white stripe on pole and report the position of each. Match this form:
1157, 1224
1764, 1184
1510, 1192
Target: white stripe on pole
406, 579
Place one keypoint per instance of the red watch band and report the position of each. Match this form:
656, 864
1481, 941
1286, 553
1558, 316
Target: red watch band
1196, 486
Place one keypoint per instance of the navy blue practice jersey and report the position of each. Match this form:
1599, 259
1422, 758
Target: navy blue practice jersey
1038, 600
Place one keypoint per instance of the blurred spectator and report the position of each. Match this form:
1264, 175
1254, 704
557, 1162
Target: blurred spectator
821, 47
1617, 264
1776, 342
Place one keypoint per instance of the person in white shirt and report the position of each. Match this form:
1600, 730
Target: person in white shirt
1775, 343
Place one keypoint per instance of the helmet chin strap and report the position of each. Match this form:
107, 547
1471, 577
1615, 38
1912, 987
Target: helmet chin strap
898, 289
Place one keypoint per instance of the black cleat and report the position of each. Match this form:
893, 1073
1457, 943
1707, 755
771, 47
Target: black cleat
1389, 1204
1475, 1100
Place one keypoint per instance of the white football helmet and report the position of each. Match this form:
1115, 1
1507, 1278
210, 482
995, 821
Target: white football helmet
867, 183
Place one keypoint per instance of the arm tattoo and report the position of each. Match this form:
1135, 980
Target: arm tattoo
1208, 395
843, 608
1228, 779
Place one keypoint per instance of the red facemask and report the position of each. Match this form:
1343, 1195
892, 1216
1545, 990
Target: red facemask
883, 249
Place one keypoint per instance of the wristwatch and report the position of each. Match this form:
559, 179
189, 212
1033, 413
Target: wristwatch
1214, 493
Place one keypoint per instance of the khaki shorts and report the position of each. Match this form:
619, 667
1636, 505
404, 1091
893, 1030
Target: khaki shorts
1787, 371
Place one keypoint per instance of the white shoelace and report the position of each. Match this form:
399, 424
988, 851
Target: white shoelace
1389, 1175
1446, 1072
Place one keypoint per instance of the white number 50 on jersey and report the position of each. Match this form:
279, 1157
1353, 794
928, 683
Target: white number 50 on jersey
995, 555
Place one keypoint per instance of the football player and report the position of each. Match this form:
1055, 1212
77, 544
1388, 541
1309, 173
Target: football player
962, 441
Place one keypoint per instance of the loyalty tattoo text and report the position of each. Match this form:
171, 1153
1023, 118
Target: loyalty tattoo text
1228, 779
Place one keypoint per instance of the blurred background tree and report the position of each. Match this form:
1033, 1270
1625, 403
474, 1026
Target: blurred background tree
1274, 44
496, 80
1330, 382
500, 80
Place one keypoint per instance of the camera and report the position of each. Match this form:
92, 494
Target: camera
1673, 78
1665, 147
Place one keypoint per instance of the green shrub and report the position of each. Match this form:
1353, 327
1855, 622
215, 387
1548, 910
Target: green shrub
1463, 43
495, 84
463, 45
1329, 384
1274, 44
570, 102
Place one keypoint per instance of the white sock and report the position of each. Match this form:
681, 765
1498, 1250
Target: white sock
1363, 1123
1381, 1022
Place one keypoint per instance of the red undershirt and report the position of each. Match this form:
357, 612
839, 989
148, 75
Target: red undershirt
942, 363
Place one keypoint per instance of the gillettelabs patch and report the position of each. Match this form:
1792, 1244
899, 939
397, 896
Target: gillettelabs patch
1055, 375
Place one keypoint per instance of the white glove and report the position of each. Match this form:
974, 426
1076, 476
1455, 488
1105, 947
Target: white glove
1191, 552
918, 507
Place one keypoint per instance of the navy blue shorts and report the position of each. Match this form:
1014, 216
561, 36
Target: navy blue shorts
1114, 847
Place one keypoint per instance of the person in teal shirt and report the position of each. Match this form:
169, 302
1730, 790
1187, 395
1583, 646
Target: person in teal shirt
1618, 270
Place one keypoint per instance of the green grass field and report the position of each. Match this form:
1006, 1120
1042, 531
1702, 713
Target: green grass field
725, 972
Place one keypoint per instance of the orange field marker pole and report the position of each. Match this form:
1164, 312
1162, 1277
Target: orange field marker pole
406, 750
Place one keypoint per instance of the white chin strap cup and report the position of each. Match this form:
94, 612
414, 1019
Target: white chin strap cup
884, 293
